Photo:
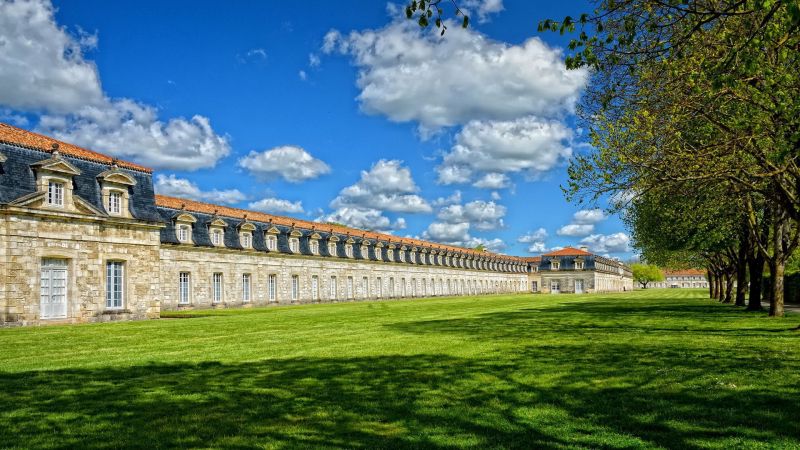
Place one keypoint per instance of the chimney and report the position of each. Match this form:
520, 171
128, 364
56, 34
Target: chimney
584, 248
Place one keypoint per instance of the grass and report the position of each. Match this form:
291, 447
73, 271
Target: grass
651, 369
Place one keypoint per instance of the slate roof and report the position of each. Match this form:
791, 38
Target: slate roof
170, 205
28, 139
17, 179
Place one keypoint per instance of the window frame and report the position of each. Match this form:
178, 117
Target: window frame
184, 287
56, 191
114, 207
272, 287
247, 287
295, 287
217, 289
120, 286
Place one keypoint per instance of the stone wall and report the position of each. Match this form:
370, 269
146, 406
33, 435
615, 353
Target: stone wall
27, 237
201, 263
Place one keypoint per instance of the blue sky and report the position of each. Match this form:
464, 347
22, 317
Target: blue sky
335, 111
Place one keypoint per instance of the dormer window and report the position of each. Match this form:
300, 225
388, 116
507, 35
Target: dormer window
246, 239
294, 245
332, 248
578, 265
390, 254
348, 250
216, 237
313, 246
402, 255
184, 233
378, 253
364, 251
115, 203
272, 242
413, 258
55, 193
554, 265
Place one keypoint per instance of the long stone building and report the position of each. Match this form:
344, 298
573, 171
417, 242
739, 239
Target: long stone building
84, 238
687, 278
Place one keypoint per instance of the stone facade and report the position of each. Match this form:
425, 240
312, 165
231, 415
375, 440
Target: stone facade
83, 238
576, 271
690, 278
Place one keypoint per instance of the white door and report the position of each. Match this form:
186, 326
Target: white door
554, 287
579, 286
53, 294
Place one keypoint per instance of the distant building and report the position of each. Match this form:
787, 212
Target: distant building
689, 278
576, 270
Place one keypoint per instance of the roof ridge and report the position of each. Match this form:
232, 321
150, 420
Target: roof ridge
12, 135
165, 201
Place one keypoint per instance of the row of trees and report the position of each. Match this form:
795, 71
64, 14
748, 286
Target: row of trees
694, 114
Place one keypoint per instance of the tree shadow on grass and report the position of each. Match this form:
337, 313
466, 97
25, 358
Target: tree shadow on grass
553, 396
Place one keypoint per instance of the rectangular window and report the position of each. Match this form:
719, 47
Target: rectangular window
114, 202
294, 245
315, 287
272, 287
114, 284
53, 289
314, 247
247, 240
379, 287
365, 287
216, 285
332, 248
333, 288
403, 287
295, 287
184, 295
183, 233
246, 287
272, 243
216, 237
55, 193
378, 253
349, 287
391, 287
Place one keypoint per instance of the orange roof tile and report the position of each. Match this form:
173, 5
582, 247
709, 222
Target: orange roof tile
23, 138
208, 208
532, 259
568, 251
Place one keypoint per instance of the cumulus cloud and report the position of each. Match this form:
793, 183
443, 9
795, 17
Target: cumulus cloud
589, 216
483, 8
387, 186
480, 214
611, 243
408, 74
43, 70
575, 229
537, 247
453, 198
529, 145
277, 206
493, 181
447, 232
362, 218
536, 239
181, 187
291, 163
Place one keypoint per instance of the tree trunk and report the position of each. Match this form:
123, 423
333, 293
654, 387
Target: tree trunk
728, 287
776, 267
720, 287
755, 263
712, 285
741, 271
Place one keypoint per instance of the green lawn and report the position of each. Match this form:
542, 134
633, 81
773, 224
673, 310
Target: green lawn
659, 368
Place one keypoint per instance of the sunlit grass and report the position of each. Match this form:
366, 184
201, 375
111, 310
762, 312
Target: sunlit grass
656, 368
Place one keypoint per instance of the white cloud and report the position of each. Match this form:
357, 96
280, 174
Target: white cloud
528, 144
575, 229
313, 60
483, 8
181, 187
43, 70
589, 216
387, 186
277, 206
479, 214
493, 181
408, 74
537, 247
453, 198
302, 74
362, 218
291, 163
257, 53
496, 195
42, 67
536, 239
611, 243
131, 130
447, 232
536, 235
